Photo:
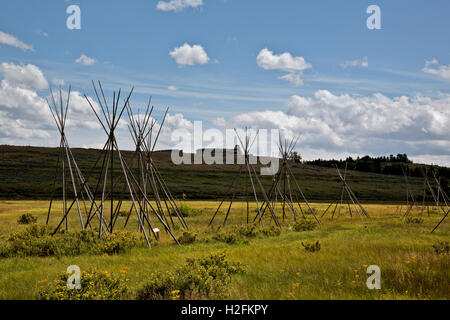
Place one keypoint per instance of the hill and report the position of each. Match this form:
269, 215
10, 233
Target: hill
28, 173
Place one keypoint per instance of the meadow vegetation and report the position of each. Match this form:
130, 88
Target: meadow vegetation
259, 263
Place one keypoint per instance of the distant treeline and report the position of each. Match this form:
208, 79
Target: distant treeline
391, 165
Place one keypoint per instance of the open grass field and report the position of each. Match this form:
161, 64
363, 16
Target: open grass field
276, 267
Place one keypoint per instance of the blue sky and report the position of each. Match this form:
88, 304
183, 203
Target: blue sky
130, 42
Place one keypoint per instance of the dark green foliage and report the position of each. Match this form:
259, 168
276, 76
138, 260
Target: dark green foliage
27, 218
311, 246
34, 169
230, 238
198, 278
441, 247
248, 230
123, 213
411, 220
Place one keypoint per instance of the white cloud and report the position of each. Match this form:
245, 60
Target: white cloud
24, 114
433, 67
87, 61
295, 66
178, 5
26, 76
11, 40
173, 122
357, 63
285, 61
339, 125
172, 88
189, 55
294, 78
22, 103
220, 122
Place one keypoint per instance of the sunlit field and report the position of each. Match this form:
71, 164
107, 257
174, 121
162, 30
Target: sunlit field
276, 267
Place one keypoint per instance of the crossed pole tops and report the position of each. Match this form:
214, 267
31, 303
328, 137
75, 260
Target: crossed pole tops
286, 147
246, 145
59, 113
111, 115
141, 129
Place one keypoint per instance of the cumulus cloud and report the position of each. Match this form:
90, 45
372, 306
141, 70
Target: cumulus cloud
24, 76
189, 55
332, 125
433, 67
295, 66
357, 63
11, 40
24, 114
178, 5
84, 59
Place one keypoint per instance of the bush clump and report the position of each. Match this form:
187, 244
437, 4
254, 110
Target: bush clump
27, 218
441, 247
240, 234
248, 230
311, 246
95, 285
304, 225
187, 237
230, 238
198, 278
184, 210
123, 213
252, 231
271, 231
411, 220
39, 241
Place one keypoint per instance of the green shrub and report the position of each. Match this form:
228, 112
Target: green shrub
248, 230
117, 243
184, 210
31, 232
123, 213
304, 225
240, 233
95, 285
27, 218
198, 278
38, 241
230, 238
187, 237
271, 231
311, 246
411, 220
441, 247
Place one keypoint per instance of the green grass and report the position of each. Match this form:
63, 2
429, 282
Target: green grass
277, 267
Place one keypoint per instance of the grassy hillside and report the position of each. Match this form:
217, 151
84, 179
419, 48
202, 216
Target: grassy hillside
28, 173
